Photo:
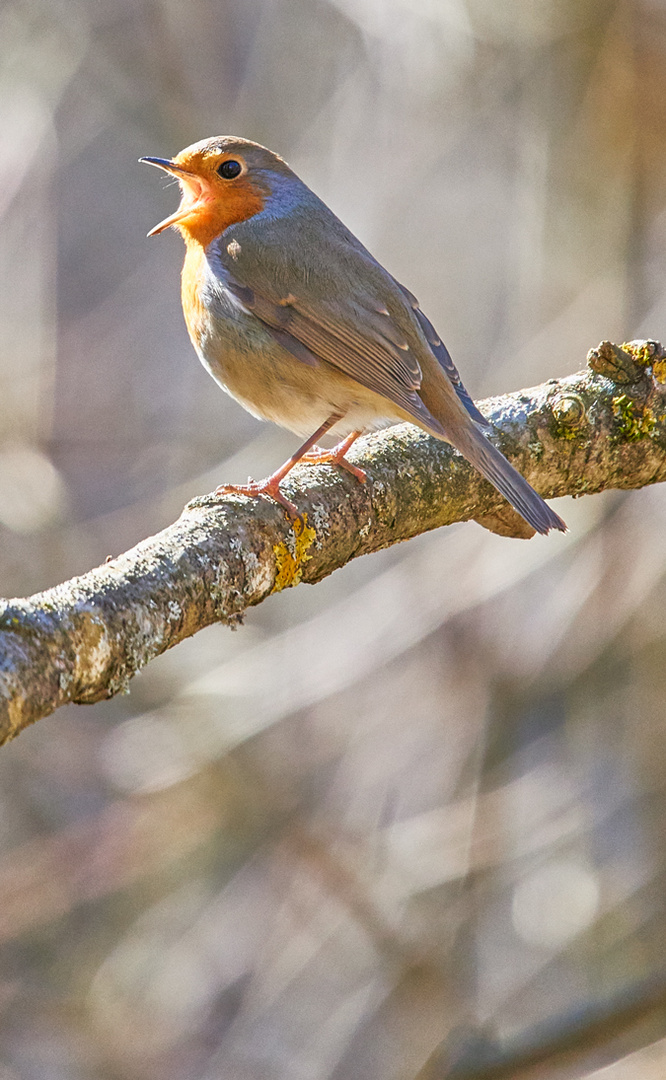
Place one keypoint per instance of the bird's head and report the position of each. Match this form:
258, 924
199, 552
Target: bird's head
223, 181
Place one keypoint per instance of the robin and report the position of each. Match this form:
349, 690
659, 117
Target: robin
296, 320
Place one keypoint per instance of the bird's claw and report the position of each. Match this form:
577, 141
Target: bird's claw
254, 489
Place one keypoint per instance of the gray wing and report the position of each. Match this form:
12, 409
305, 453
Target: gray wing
355, 335
441, 354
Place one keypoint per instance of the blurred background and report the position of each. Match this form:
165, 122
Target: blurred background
409, 823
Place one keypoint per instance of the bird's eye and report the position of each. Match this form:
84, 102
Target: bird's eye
229, 169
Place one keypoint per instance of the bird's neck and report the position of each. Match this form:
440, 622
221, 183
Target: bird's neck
207, 220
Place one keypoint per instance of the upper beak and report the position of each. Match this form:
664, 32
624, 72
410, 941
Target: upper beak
191, 188
164, 163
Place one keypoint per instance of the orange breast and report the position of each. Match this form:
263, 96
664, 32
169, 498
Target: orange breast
191, 290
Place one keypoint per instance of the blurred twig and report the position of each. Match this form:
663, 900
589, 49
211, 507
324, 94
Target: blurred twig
82, 641
561, 1046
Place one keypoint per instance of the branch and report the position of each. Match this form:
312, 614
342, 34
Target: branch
82, 641
562, 1046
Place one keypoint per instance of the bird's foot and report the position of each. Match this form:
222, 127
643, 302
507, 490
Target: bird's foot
310, 453
336, 456
256, 488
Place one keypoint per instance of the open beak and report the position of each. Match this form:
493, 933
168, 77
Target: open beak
192, 189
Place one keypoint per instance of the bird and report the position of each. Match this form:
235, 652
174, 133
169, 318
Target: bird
295, 319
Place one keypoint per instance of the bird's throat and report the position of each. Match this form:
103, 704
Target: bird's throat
209, 215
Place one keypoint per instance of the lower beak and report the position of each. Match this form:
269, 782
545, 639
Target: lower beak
191, 191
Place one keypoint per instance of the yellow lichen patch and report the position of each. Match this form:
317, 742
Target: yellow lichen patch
640, 351
634, 424
659, 371
290, 558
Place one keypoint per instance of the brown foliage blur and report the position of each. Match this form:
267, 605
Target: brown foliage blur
398, 821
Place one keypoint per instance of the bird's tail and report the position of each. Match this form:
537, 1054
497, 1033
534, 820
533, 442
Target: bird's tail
492, 464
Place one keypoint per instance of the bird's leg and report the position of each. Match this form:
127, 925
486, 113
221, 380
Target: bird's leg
271, 485
336, 456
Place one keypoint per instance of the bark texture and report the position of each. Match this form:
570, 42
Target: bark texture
82, 641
